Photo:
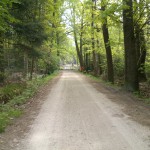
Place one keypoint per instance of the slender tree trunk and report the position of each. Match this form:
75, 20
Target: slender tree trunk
81, 40
93, 43
53, 35
32, 68
93, 39
56, 33
131, 72
100, 70
25, 65
86, 62
110, 70
78, 48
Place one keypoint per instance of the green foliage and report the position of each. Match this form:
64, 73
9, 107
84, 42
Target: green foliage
38, 34
11, 90
147, 67
11, 110
34, 26
7, 116
32, 32
2, 76
5, 17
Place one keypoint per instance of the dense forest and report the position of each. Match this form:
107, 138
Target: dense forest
32, 36
108, 38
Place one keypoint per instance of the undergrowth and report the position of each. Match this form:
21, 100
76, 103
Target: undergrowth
93, 77
99, 79
11, 109
11, 90
139, 94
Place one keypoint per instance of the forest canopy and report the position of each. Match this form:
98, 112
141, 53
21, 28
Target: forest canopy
109, 38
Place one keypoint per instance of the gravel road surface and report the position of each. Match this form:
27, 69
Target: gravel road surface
76, 116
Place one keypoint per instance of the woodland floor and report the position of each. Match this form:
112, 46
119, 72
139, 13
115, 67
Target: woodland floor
74, 112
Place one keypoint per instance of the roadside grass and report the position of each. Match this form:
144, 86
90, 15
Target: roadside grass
11, 109
11, 90
93, 77
142, 97
147, 100
139, 95
99, 79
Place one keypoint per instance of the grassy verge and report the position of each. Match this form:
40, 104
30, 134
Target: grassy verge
142, 97
98, 79
10, 110
93, 77
139, 95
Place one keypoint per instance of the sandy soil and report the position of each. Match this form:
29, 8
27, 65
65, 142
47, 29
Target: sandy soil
74, 112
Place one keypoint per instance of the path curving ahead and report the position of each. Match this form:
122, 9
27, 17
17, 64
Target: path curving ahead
75, 116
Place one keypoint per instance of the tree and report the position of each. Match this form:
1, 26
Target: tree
140, 21
110, 70
75, 31
5, 20
131, 72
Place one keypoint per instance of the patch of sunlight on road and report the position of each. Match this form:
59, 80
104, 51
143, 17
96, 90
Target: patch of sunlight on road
70, 75
39, 141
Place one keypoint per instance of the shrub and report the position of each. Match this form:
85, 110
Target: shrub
9, 91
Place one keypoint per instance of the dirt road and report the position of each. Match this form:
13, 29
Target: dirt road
76, 116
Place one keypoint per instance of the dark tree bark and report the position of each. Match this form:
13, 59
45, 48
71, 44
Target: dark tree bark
100, 70
110, 70
86, 62
78, 50
81, 42
131, 71
92, 38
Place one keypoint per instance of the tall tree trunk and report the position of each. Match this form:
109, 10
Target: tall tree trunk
78, 48
100, 70
93, 39
53, 35
32, 68
56, 33
110, 70
81, 40
25, 65
131, 72
86, 62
